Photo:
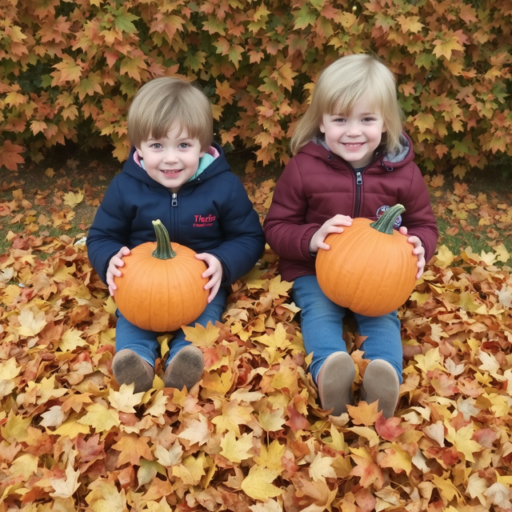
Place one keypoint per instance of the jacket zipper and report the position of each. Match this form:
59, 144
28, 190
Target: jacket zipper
174, 201
359, 183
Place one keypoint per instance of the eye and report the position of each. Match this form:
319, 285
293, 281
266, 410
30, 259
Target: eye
183, 145
339, 119
156, 145
368, 119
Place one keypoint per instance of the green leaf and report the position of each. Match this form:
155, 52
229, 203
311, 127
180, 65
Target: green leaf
124, 23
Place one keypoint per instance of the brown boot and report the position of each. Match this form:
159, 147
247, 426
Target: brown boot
185, 369
335, 382
129, 367
380, 382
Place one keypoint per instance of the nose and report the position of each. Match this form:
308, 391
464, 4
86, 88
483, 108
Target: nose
353, 129
170, 156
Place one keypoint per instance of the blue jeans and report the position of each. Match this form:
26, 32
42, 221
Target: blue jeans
145, 344
322, 328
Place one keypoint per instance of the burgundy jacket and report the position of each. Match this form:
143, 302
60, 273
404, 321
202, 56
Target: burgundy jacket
317, 184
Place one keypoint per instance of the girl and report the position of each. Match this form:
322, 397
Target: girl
351, 159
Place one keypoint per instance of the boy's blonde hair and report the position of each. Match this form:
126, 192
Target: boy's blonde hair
166, 102
338, 89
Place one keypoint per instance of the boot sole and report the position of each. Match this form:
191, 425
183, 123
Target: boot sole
335, 383
129, 368
380, 383
185, 369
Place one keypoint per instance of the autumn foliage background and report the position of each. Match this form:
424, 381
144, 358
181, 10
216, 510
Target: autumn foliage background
70, 69
251, 436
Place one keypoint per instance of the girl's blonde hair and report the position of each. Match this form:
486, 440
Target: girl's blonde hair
166, 102
339, 88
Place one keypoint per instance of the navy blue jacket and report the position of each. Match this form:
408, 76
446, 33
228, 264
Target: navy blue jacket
211, 213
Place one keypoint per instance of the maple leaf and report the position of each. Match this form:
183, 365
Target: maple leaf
258, 483
321, 468
269, 506
202, 336
169, 457
71, 199
191, 471
104, 497
462, 440
65, 488
71, 340
445, 47
31, 323
364, 413
125, 399
236, 450
233, 415
197, 431
272, 420
389, 429
397, 459
132, 448
69, 70
271, 456
366, 468
100, 418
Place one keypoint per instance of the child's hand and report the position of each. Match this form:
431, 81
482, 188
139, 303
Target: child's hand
214, 272
328, 227
418, 250
113, 268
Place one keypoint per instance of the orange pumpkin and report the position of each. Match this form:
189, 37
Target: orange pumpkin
370, 268
161, 288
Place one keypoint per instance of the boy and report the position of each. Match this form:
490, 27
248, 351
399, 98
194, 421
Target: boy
174, 173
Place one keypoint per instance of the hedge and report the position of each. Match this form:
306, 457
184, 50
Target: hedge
69, 69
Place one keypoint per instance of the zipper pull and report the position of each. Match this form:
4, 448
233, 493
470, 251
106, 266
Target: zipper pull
359, 179
174, 201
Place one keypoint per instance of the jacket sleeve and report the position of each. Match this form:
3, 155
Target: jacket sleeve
109, 231
244, 241
418, 217
285, 225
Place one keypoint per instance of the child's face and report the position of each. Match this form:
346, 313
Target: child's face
171, 160
355, 136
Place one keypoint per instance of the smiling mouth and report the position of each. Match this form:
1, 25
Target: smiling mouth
170, 172
353, 145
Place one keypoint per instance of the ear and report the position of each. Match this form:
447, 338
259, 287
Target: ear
384, 129
139, 152
322, 127
202, 154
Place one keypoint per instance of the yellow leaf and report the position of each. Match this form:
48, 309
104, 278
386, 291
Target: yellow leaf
501, 253
9, 369
236, 450
125, 399
71, 429
462, 440
397, 459
15, 429
158, 405
31, 324
71, 199
71, 339
445, 487
367, 433
104, 497
202, 336
271, 457
364, 413
197, 431
272, 421
100, 418
321, 468
278, 288
25, 465
191, 471
232, 416
430, 361
445, 47
65, 488
258, 484
444, 257
169, 457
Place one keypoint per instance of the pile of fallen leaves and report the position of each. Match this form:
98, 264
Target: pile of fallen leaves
251, 436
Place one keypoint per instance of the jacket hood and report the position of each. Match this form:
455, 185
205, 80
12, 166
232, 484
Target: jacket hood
390, 161
218, 166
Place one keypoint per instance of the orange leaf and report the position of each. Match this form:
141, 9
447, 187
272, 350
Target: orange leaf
132, 448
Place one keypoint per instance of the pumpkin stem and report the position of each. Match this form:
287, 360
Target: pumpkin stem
386, 222
163, 249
